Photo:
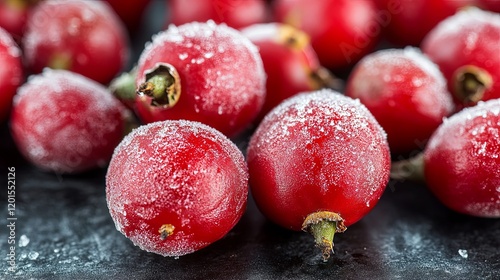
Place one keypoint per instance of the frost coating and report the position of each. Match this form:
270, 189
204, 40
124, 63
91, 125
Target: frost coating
466, 151
181, 173
222, 75
319, 144
65, 122
7, 41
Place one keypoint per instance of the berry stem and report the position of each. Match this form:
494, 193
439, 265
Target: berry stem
410, 169
470, 83
323, 78
323, 225
123, 87
162, 85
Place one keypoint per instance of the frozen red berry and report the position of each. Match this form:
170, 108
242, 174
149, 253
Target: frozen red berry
460, 162
201, 72
462, 159
406, 93
407, 22
466, 49
131, 12
341, 32
175, 187
235, 13
13, 16
64, 122
290, 62
319, 161
85, 37
490, 5
11, 72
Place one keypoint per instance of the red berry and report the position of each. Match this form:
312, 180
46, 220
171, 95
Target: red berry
318, 158
490, 5
462, 158
470, 61
201, 72
175, 187
341, 31
85, 37
11, 72
64, 122
405, 92
14, 14
130, 12
407, 22
290, 62
235, 13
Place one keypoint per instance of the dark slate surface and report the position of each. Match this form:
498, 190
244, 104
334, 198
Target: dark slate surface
409, 235
64, 231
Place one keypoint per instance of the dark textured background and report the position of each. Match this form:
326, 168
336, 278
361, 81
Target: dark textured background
409, 234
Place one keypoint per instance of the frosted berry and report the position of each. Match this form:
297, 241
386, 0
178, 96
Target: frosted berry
175, 187
341, 31
66, 123
318, 162
290, 62
201, 72
85, 37
11, 72
470, 60
14, 15
462, 158
234, 13
408, 22
405, 92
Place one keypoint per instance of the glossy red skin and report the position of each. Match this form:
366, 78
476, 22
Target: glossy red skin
66, 123
490, 5
130, 12
407, 99
462, 159
482, 53
235, 13
88, 33
288, 69
306, 165
181, 173
222, 105
341, 32
407, 22
11, 72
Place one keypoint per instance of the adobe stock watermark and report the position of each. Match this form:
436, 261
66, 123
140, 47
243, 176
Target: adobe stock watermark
11, 219
381, 20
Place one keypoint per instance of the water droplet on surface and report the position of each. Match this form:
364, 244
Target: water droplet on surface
23, 241
463, 253
33, 255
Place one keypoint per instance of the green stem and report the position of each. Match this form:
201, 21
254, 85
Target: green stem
323, 233
323, 225
410, 169
123, 87
162, 85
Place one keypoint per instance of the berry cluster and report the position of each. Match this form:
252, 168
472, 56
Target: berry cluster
320, 150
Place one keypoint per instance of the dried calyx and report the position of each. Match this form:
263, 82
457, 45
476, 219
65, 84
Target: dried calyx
470, 83
163, 86
166, 230
323, 225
